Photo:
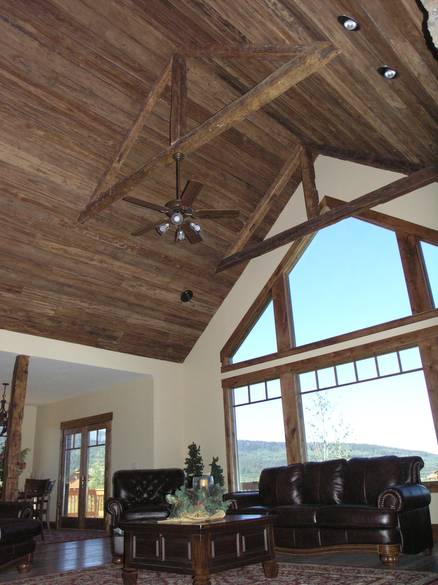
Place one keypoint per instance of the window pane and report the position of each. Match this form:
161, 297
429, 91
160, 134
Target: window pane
388, 364
261, 340
410, 358
92, 438
349, 277
241, 395
69, 441
326, 377
274, 388
307, 381
366, 369
346, 373
260, 440
95, 482
101, 436
77, 440
430, 255
367, 419
257, 392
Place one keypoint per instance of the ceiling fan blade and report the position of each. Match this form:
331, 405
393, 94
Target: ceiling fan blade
217, 213
191, 191
141, 231
192, 236
147, 204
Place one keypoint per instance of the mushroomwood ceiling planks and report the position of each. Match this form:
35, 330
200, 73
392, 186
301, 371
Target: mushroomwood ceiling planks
73, 76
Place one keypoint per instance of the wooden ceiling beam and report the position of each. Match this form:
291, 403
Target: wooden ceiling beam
241, 51
109, 176
311, 197
308, 62
396, 166
386, 221
291, 166
382, 195
178, 118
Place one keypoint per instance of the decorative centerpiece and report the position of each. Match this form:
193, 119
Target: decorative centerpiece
197, 505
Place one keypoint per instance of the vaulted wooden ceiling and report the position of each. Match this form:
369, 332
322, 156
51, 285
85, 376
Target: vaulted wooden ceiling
72, 78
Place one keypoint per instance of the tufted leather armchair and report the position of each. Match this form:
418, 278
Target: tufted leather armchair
139, 494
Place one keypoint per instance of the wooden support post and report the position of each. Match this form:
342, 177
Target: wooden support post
179, 98
429, 357
417, 284
293, 418
282, 313
15, 422
311, 198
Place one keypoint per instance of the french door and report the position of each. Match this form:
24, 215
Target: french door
84, 478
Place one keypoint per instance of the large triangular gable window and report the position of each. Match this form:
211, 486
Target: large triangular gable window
261, 339
430, 255
350, 277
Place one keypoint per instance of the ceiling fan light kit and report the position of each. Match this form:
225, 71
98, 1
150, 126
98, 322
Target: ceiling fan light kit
179, 211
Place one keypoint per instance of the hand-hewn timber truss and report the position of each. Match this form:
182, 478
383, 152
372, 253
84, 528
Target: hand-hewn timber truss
299, 165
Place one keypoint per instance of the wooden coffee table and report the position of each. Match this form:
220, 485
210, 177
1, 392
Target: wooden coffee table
198, 549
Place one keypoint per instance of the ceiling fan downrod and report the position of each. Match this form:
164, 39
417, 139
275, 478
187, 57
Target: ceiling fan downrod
178, 156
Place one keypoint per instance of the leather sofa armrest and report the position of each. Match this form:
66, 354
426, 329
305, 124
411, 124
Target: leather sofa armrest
16, 510
404, 497
243, 500
115, 508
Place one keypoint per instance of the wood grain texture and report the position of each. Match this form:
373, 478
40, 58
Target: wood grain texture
420, 295
379, 196
73, 77
311, 197
282, 79
178, 120
11, 470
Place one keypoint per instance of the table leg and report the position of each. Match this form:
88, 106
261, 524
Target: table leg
129, 576
270, 568
200, 567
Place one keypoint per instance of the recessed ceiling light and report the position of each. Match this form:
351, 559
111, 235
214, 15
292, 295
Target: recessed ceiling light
387, 72
349, 23
186, 296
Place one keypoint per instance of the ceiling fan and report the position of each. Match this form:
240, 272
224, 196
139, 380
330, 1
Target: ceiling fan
179, 211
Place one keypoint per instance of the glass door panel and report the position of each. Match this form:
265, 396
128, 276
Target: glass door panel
95, 476
72, 474
85, 462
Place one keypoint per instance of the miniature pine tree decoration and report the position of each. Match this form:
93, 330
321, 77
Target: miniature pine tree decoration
194, 464
217, 472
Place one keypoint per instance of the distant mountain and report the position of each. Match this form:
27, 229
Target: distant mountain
256, 455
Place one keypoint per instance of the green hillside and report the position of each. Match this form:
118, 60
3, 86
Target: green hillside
256, 455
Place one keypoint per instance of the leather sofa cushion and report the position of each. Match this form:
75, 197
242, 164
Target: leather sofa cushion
323, 482
268, 485
289, 489
366, 478
344, 516
16, 530
296, 515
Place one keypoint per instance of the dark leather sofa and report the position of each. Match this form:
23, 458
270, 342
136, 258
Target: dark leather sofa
17, 533
139, 494
364, 501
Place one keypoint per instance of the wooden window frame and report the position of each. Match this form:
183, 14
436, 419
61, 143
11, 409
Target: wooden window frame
409, 237
425, 339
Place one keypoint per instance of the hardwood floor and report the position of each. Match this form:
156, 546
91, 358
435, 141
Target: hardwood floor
71, 556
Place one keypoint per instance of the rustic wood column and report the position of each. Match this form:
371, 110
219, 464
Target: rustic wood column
429, 357
419, 292
293, 418
15, 422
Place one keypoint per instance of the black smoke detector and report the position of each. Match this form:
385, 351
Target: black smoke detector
186, 296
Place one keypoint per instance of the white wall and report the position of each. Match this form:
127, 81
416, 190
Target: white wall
204, 418
132, 445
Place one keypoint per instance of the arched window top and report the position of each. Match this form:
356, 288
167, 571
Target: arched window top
350, 277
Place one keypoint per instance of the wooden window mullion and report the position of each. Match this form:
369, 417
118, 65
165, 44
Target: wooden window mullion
414, 270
